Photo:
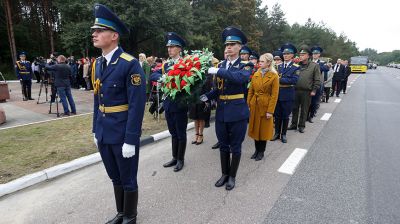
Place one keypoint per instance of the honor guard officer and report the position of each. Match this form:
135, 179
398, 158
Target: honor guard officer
232, 111
245, 53
176, 114
119, 102
278, 58
289, 74
315, 100
24, 72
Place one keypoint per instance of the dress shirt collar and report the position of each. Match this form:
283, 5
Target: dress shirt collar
109, 55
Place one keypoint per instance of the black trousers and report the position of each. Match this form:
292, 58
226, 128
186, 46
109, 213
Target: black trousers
344, 85
37, 75
336, 86
26, 88
327, 91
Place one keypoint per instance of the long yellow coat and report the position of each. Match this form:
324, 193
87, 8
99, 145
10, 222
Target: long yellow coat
262, 98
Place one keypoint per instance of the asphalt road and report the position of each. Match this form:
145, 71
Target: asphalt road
349, 174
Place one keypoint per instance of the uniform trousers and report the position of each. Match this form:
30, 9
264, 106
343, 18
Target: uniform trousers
283, 109
177, 124
122, 171
26, 88
231, 135
302, 103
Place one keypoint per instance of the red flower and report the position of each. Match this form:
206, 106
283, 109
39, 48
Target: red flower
174, 85
195, 59
197, 65
183, 83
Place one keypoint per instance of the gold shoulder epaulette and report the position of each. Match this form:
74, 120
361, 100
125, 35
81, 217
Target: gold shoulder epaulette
244, 62
126, 56
296, 65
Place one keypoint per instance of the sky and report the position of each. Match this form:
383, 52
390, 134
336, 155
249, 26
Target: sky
371, 24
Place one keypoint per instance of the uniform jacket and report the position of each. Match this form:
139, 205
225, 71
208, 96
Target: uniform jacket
288, 76
310, 77
231, 81
323, 68
122, 82
262, 99
23, 70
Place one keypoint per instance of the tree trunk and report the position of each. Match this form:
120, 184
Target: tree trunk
48, 16
10, 30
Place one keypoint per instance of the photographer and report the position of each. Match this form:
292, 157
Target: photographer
62, 74
50, 76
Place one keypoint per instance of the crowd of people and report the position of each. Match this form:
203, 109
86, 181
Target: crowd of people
252, 94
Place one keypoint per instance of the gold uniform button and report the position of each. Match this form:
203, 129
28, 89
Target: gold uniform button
101, 84
104, 115
101, 95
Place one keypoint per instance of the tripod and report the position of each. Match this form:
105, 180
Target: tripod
44, 83
51, 103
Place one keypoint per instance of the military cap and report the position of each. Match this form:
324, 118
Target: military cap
106, 19
233, 35
288, 48
316, 50
22, 53
304, 49
245, 50
254, 55
173, 39
278, 54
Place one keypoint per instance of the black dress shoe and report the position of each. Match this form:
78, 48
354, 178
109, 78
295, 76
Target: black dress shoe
292, 127
301, 130
216, 146
170, 163
221, 182
310, 120
276, 136
179, 165
284, 139
259, 156
31, 99
230, 184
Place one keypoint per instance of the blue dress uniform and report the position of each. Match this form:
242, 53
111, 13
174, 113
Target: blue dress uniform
316, 99
289, 75
232, 111
176, 113
24, 72
119, 103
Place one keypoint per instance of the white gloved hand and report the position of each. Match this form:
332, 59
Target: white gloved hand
204, 98
128, 150
95, 140
213, 70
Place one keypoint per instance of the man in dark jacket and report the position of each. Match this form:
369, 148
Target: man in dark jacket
62, 75
347, 73
338, 76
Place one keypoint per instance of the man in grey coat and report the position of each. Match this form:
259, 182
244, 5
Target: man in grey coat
308, 84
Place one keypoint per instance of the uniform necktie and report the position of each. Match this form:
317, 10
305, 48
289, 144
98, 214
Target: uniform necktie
229, 65
103, 65
285, 66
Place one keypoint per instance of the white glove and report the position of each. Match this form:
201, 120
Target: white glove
128, 150
95, 140
213, 70
204, 98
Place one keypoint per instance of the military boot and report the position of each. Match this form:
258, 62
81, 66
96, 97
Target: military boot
119, 202
278, 126
174, 153
261, 150
225, 162
130, 207
285, 123
181, 155
232, 172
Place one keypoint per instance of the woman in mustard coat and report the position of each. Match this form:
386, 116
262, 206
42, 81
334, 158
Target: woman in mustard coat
262, 98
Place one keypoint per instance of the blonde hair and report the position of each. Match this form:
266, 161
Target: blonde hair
269, 57
142, 57
61, 58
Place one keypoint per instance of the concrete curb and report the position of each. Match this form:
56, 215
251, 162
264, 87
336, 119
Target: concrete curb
55, 171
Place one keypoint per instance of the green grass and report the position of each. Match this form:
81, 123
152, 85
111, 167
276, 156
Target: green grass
32, 148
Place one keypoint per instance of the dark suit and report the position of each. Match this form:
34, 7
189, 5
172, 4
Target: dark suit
347, 73
338, 76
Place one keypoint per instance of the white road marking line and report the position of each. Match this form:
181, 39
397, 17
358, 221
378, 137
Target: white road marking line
326, 116
291, 163
38, 122
337, 100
